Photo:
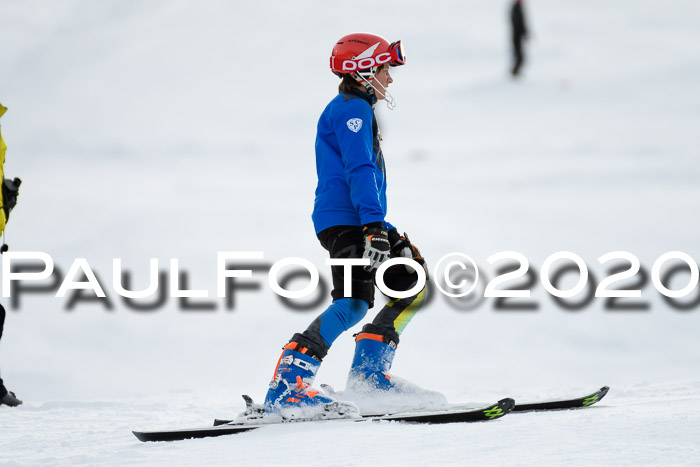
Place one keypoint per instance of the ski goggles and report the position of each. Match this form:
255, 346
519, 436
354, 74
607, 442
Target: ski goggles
397, 56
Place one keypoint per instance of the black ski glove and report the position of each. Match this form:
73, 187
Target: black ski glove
402, 246
377, 248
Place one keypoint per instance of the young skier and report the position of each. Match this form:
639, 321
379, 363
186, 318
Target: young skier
349, 219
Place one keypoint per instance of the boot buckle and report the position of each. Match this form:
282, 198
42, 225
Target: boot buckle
304, 365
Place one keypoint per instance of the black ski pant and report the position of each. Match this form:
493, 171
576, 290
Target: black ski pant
348, 242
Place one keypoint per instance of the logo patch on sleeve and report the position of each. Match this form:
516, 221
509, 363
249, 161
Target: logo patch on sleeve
355, 124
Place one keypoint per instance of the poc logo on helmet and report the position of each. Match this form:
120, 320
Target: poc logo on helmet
364, 63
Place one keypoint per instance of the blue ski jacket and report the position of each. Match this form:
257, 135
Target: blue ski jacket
351, 186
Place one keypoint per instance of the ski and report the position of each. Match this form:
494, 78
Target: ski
454, 415
490, 412
555, 404
562, 404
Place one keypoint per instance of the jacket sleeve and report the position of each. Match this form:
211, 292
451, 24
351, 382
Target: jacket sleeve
352, 123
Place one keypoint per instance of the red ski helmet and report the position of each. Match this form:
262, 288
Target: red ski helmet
362, 53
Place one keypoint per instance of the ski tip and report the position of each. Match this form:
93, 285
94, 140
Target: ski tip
248, 400
595, 397
140, 435
507, 402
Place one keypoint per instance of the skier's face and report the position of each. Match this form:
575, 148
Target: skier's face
384, 78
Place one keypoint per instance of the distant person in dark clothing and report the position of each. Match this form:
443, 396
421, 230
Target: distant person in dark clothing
517, 21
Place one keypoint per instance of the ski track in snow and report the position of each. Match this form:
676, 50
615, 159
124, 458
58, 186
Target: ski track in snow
171, 130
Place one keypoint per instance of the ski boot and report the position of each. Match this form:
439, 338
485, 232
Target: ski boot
372, 387
291, 396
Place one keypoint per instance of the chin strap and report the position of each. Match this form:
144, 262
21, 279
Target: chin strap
388, 98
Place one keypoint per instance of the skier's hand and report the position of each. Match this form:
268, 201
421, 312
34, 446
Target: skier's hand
402, 246
377, 248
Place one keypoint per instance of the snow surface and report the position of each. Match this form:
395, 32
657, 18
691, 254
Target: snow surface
168, 129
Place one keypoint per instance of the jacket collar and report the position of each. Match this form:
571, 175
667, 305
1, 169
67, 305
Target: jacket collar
356, 92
